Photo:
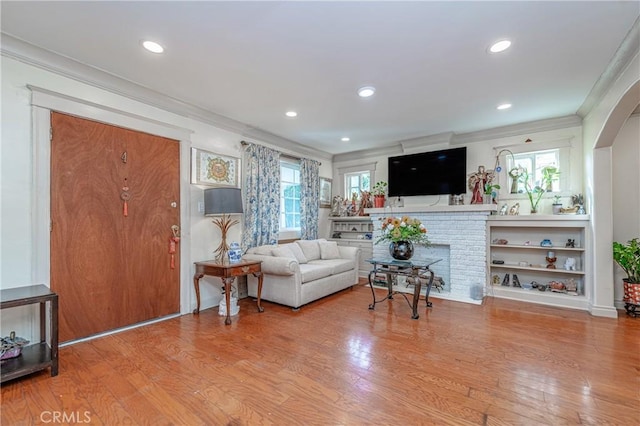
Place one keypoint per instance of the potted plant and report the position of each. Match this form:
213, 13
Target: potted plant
491, 193
549, 174
628, 257
557, 205
379, 191
535, 193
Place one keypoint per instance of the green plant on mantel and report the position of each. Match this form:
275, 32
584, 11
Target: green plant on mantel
380, 188
490, 188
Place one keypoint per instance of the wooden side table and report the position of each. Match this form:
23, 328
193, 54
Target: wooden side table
38, 356
227, 272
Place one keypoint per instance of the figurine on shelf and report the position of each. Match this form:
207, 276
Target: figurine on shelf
551, 259
365, 202
505, 281
478, 182
503, 209
336, 206
570, 243
571, 285
570, 264
514, 210
516, 281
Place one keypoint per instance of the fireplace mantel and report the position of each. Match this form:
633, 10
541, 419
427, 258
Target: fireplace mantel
426, 208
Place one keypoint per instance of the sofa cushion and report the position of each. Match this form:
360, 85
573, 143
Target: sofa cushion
314, 271
337, 265
310, 248
282, 251
297, 252
329, 250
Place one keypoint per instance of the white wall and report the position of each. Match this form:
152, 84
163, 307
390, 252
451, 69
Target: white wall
625, 160
483, 152
17, 236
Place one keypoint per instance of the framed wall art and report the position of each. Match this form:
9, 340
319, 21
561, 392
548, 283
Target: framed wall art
325, 192
212, 169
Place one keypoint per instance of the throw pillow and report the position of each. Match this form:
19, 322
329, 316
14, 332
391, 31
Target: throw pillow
282, 251
263, 250
329, 250
310, 248
297, 252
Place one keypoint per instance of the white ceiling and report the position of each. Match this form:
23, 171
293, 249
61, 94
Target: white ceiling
253, 61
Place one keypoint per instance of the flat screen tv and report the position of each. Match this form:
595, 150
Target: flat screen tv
428, 173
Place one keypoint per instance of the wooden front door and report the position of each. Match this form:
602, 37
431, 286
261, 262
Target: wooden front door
110, 263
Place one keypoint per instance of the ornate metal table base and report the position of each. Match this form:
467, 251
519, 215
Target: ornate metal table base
417, 273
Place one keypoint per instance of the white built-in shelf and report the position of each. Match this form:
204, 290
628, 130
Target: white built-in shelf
551, 248
535, 228
542, 297
533, 268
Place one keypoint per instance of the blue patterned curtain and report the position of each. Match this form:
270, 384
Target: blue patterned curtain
261, 196
309, 198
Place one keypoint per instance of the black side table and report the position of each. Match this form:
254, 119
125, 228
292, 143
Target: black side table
37, 356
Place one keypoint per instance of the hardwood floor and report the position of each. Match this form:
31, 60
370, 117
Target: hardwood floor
337, 363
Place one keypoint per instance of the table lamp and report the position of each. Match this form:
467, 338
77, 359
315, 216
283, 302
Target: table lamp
223, 202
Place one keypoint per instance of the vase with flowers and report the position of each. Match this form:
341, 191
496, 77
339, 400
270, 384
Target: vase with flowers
402, 233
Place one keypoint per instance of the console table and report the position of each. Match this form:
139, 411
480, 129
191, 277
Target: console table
227, 272
38, 356
416, 271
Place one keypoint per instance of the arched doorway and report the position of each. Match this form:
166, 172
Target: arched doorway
601, 190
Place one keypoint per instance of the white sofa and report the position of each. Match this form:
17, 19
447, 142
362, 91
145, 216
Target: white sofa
297, 273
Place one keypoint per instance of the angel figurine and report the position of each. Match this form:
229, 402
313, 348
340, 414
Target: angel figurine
478, 182
336, 206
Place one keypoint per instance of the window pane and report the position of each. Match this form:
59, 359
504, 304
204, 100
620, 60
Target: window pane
289, 196
356, 182
535, 163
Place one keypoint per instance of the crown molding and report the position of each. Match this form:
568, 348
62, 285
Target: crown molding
628, 50
417, 144
30, 54
369, 153
518, 129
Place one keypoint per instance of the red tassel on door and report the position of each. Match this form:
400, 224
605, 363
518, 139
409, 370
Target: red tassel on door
125, 196
173, 241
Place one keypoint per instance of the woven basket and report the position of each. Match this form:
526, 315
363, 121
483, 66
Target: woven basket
631, 293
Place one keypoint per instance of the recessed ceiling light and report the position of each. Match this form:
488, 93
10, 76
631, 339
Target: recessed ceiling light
345, 139
366, 91
152, 46
500, 46
503, 106
291, 114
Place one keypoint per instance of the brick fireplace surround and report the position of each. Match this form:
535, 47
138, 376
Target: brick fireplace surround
458, 236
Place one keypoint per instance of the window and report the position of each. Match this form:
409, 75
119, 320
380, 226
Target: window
289, 195
356, 182
535, 163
